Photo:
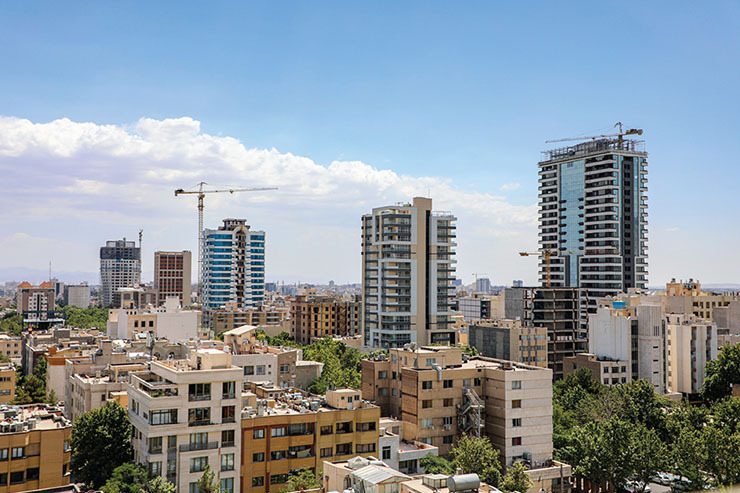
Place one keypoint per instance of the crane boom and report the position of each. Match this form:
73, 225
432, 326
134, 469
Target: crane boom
619, 135
201, 193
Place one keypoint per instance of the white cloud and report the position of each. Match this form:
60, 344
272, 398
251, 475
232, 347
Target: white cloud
510, 186
85, 183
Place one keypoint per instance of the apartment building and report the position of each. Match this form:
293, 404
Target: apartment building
558, 311
408, 260
77, 295
397, 452
87, 391
169, 321
34, 448
37, 304
474, 308
185, 415
233, 265
120, 266
509, 340
37, 344
691, 344
287, 434
7, 383
593, 218
439, 394
688, 297
315, 317
603, 369
12, 347
172, 276
269, 318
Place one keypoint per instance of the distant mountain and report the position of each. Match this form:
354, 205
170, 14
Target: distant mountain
36, 276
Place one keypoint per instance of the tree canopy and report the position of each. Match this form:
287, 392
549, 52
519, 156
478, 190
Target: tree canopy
305, 479
516, 479
721, 373
477, 455
133, 478
85, 318
12, 323
101, 441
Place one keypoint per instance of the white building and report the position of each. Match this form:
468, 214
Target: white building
609, 334
186, 415
692, 343
233, 265
78, 295
169, 321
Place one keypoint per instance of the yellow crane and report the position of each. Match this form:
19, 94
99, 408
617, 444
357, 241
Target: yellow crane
619, 135
545, 254
201, 193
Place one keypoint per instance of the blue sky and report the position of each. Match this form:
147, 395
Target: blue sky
466, 92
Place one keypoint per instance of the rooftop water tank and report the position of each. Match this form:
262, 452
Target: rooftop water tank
463, 482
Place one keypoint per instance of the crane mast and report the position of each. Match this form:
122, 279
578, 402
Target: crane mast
201, 193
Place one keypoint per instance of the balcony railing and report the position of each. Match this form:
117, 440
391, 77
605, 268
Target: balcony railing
200, 422
198, 446
199, 397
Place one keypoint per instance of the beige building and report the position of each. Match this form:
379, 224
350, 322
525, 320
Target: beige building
511, 403
12, 347
603, 369
172, 276
34, 448
282, 435
408, 261
186, 415
509, 340
7, 383
691, 344
272, 320
315, 317
688, 297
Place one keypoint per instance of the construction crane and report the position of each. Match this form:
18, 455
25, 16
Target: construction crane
620, 135
546, 254
201, 193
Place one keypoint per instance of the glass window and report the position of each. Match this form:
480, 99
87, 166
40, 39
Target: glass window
198, 464
249, 370
155, 468
258, 457
426, 385
258, 481
278, 478
3, 479
17, 477
516, 384
163, 416
4, 454
256, 434
227, 485
172, 442
229, 390
516, 441
18, 452
199, 416
516, 422
516, 403
326, 452
155, 445
227, 438
278, 454
199, 391
260, 369
426, 404
227, 462
386, 453
447, 439
280, 431
448, 384
228, 414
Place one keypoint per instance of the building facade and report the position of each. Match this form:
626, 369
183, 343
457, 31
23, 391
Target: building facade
266, 317
510, 340
37, 304
691, 344
593, 218
172, 276
408, 272
315, 317
186, 415
78, 295
233, 265
120, 267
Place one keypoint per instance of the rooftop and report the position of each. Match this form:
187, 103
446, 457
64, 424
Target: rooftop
593, 147
16, 419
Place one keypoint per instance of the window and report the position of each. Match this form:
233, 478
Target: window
431, 361
229, 390
198, 464
256, 434
199, 391
606, 369
258, 481
369, 426
4, 479
199, 416
516, 441
298, 429
383, 392
228, 414
32, 474
426, 404
171, 468
382, 375
18, 452
447, 420
426, 385
426, 423
16, 477
278, 478
344, 427
448, 384
365, 448
447, 439
227, 462
280, 431
516, 384
198, 441
154, 468
155, 445
326, 430
325, 452
227, 485
466, 383
193, 488
163, 417
447, 403
386, 453
344, 449
258, 457
260, 369
278, 454
284, 369
516, 403
4, 454
477, 382
249, 370
227, 438
516, 422
65, 448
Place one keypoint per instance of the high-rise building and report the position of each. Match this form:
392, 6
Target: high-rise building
482, 285
172, 276
593, 218
408, 262
36, 304
120, 266
233, 265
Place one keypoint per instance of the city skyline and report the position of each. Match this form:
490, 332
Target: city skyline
91, 151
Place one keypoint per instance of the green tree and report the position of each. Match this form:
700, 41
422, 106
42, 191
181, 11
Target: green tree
342, 365
12, 323
101, 441
159, 485
4, 358
721, 374
126, 478
86, 318
433, 464
649, 454
516, 478
477, 455
688, 455
601, 452
641, 404
207, 482
305, 479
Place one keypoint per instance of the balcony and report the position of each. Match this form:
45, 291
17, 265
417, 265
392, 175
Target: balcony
200, 422
200, 446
